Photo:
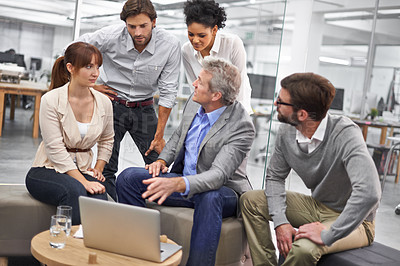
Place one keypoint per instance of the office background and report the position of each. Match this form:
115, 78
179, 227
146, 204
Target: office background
337, 38
354, 43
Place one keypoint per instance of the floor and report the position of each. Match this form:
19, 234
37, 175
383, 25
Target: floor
17, 151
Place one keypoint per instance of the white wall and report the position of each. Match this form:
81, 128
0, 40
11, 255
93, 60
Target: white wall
10, 35
266, 59
62, 37
349, 78
387, 55
381, 80
31, 40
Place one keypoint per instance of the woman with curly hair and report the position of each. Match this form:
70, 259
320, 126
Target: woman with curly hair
204, 18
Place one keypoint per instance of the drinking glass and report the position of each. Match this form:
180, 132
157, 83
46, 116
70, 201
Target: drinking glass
67, 211
58, 236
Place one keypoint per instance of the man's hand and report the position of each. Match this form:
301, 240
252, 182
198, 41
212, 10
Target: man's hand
284, 234
156, 167
105, 90
311, 231
160, 188
157, 145
158, 142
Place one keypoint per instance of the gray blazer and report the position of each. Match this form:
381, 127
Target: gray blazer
223, 152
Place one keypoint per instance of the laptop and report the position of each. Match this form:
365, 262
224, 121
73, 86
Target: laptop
123, 229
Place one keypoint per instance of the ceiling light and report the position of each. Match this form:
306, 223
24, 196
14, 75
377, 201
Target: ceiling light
332, 60
389, 11
287, 18
346, 14
358, 61
163, 2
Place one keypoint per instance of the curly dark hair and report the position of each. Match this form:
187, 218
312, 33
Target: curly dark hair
205, 12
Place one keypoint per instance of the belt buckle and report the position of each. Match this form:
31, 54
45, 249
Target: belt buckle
132, 104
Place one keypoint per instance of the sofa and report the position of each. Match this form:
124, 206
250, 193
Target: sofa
22, 217
176, 223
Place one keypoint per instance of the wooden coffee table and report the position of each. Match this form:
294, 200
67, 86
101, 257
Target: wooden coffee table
75, 253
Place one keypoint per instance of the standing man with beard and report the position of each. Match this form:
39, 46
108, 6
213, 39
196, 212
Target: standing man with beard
138, 60
330, 156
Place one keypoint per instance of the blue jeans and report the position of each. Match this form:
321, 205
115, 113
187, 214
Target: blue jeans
141, 123
48, 186
209, 209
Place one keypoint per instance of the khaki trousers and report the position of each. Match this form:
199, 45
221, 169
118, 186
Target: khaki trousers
301, 209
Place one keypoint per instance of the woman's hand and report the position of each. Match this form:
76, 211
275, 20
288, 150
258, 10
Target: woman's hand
94, 187
97, 174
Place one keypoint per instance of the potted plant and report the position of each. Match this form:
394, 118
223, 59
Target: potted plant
373, 113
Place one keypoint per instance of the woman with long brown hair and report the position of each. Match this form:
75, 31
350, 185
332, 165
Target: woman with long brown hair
73, 118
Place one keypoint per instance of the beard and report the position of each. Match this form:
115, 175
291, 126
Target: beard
291, 120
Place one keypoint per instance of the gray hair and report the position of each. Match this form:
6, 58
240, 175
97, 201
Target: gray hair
225, 78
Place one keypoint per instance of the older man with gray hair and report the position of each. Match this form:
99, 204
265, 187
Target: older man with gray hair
209, 151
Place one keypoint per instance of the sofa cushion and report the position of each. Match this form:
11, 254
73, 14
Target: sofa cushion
22, 217
376, 254
176, 223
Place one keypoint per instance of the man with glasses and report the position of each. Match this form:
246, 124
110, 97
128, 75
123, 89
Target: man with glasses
329, 154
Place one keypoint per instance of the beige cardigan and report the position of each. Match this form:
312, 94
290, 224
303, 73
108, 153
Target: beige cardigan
59, 130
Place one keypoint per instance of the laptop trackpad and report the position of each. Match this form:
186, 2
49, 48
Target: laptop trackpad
167, 250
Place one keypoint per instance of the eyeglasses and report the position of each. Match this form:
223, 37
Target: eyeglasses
279, 102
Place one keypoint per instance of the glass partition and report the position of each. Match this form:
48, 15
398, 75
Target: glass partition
260, 25
332, 38
385, 81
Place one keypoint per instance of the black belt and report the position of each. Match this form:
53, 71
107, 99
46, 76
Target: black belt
143, 103
77, 150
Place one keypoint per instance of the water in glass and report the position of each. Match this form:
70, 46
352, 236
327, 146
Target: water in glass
58, 235
67, 211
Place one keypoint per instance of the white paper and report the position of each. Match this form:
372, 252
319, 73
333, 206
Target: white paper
79, 233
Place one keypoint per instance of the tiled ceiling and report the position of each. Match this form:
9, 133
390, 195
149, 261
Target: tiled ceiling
242, 14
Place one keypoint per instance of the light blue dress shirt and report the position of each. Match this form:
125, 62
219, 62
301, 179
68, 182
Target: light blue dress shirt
199, 128
137, 76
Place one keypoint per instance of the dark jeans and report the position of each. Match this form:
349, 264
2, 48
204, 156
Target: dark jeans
48, 186
209, 209
141, 123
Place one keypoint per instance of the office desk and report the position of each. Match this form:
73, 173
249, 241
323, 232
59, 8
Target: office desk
75, 253
23, 88
395, 144
365, 124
